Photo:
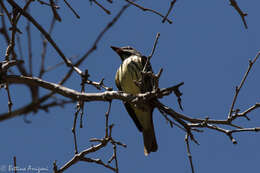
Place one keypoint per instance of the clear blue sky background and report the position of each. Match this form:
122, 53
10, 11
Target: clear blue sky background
206, 47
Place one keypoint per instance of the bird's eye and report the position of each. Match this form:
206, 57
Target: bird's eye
127, 54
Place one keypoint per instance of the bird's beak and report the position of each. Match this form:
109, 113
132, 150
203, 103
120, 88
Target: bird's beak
118, 50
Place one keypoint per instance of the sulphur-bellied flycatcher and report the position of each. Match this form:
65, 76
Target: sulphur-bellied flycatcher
127, 76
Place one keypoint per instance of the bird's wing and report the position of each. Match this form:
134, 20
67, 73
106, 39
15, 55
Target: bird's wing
131, 112
148, 80
128, 106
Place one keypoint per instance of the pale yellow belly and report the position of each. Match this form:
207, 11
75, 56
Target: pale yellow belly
129, 73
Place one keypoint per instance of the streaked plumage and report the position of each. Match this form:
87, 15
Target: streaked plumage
128, 72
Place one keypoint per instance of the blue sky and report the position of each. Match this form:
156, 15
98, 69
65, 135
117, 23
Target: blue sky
206, 47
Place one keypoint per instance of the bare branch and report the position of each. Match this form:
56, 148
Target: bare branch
10, 103
238, 88
243, 114
74, 128
6, 11
107, 116
54, 10
148, 9
20, 50
47, 36
32, 107
233, 3
170, 9
98, 161
188, 152
82, 155
44, 49
70, 7
15, 171
28, 29
101, 6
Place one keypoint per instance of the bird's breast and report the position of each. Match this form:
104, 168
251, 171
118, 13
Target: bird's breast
129, 72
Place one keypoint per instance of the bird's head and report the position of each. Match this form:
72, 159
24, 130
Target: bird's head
125, 52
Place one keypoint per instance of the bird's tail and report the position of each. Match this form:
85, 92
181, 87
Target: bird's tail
150, 144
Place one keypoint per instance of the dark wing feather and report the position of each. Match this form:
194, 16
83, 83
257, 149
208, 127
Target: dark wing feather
148, 80
129, 109
131, 112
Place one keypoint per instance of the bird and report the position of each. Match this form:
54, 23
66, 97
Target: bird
126, 78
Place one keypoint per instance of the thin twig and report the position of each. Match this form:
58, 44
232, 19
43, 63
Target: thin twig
11, 45
188, 152
115, 158
54, 11
107, 116
28, 29
19, 47
28, 108
99, 85
60, 103
98, 161
148, 9
243, 114
74, 12
14, 21
47, 36
153, 50
238, 88
10, 103
168, 12
31, 107
3, 28
6, 11
74, 128
45, 3
44, 49
233, 3
101, 34
101, 6
82, 103
4, 31
82, 155
15, 171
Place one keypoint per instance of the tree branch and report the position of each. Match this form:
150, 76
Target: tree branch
148, 9
238, 88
